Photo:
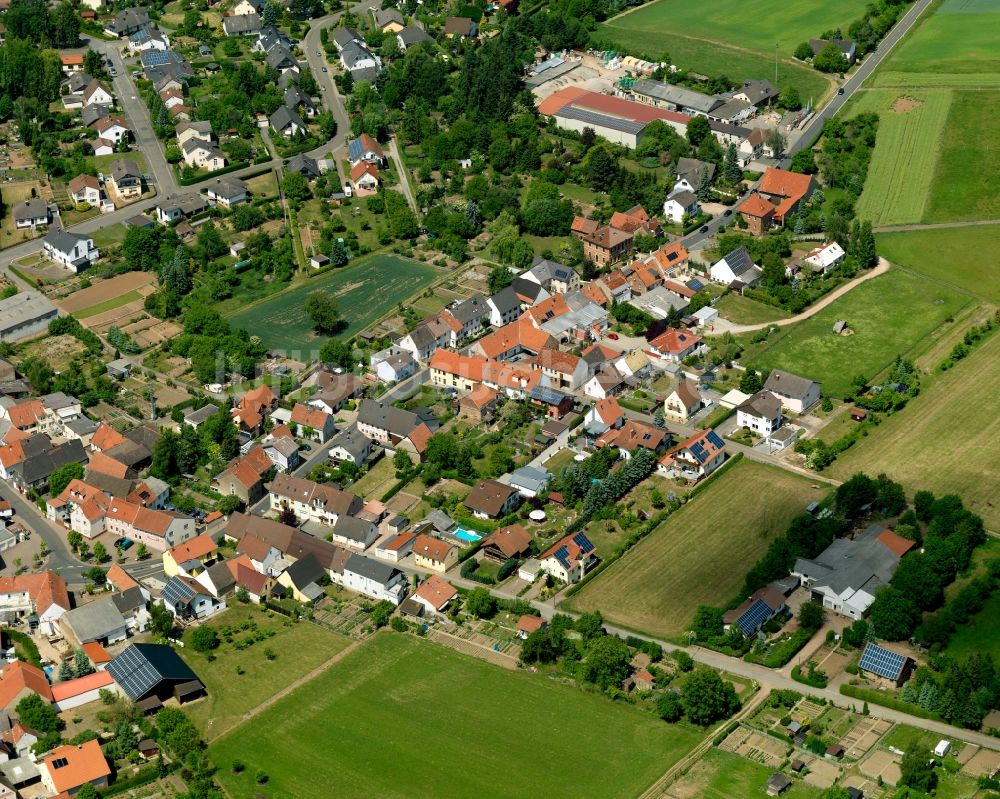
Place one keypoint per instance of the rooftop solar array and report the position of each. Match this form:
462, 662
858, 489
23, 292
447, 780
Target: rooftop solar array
177, 592
881, 661
754, 617
141, 667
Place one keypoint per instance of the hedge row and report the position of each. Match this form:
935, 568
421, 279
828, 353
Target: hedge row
208, 176
783, 652
879, 698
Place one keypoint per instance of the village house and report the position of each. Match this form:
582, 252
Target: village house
227, 192
682, 403
43, 595
189, 600
694, 458
512, 541
480, 404
824, 258
67, 768
761, 414
846, 576
796, 394
393, 427
70, 250
190, 558
490, 499
604, 415
125, 178
311, 501
569, 558
374, 579
354, 532
633, 436
755, 611
365, 149
552, 276
675, 345
680, 206
605, 245
736, 269
426, 338
435, 594
397, 546
85, 189
434, 554
313, 423
351, 445
31, 214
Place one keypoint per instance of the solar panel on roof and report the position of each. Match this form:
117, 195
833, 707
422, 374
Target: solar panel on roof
133, 673
881, 661
754, 617
581, 540
714, 438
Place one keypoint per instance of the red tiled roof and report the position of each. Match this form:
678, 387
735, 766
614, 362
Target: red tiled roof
198, 547
120, 579
431, 548
45, 589
437, 591
81, 685
783, 183
18, 676
97, 653
756, 206
99, 462
528, 624
896, 544
309, 416
83, 763
26, 414
674, 341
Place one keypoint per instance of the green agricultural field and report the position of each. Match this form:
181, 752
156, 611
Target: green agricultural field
365, 291
640, 37
660, 583
906, 149
752, 25
946, 438
402, 717
946, 48
889, 315
724, 775
967, 178
301, 647
952, 255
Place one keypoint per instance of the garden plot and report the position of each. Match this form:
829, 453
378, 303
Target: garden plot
860, 739
821, 773
983, 763
881, 763
755, 746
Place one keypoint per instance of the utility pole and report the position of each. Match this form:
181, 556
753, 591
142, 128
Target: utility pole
776, 65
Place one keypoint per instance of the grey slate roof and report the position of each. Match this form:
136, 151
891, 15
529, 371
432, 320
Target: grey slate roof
305, 571
788, 385
387, 417
864, 562
63, 240
763, 405
676, 95
303, 164
243, 24
284, 117
411, 35
372, 569
200, 415
739, 261
470, 309
352, 528
352, 441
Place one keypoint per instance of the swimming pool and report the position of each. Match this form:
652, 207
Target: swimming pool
466, 535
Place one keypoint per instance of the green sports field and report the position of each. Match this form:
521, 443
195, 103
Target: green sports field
889, 315
732, 38
700, 555
959, 256
365, 291
403, 717
946, 438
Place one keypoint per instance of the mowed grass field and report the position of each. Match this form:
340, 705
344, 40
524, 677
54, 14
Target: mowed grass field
365, 291
965, 257
946, 439
911, 124
300, 647
889, 315
402, 717
700, 554
731, 38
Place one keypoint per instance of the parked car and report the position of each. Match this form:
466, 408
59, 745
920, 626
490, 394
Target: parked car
613, 336
729, 212
704, 228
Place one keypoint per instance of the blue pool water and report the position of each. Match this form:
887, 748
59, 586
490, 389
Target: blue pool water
466, 535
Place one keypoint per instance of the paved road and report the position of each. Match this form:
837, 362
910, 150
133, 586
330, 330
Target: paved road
881, 269
135, 109
811, 131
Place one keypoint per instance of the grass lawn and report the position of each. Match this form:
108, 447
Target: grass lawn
401, 717
889, 315
301, 647
911, 125
380, 476
945, 439
112, 235
102, 163
700, 554
114, 302
952, 255
980, 634
365, 291
967, 178
744, 311
724, 775
265, 185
